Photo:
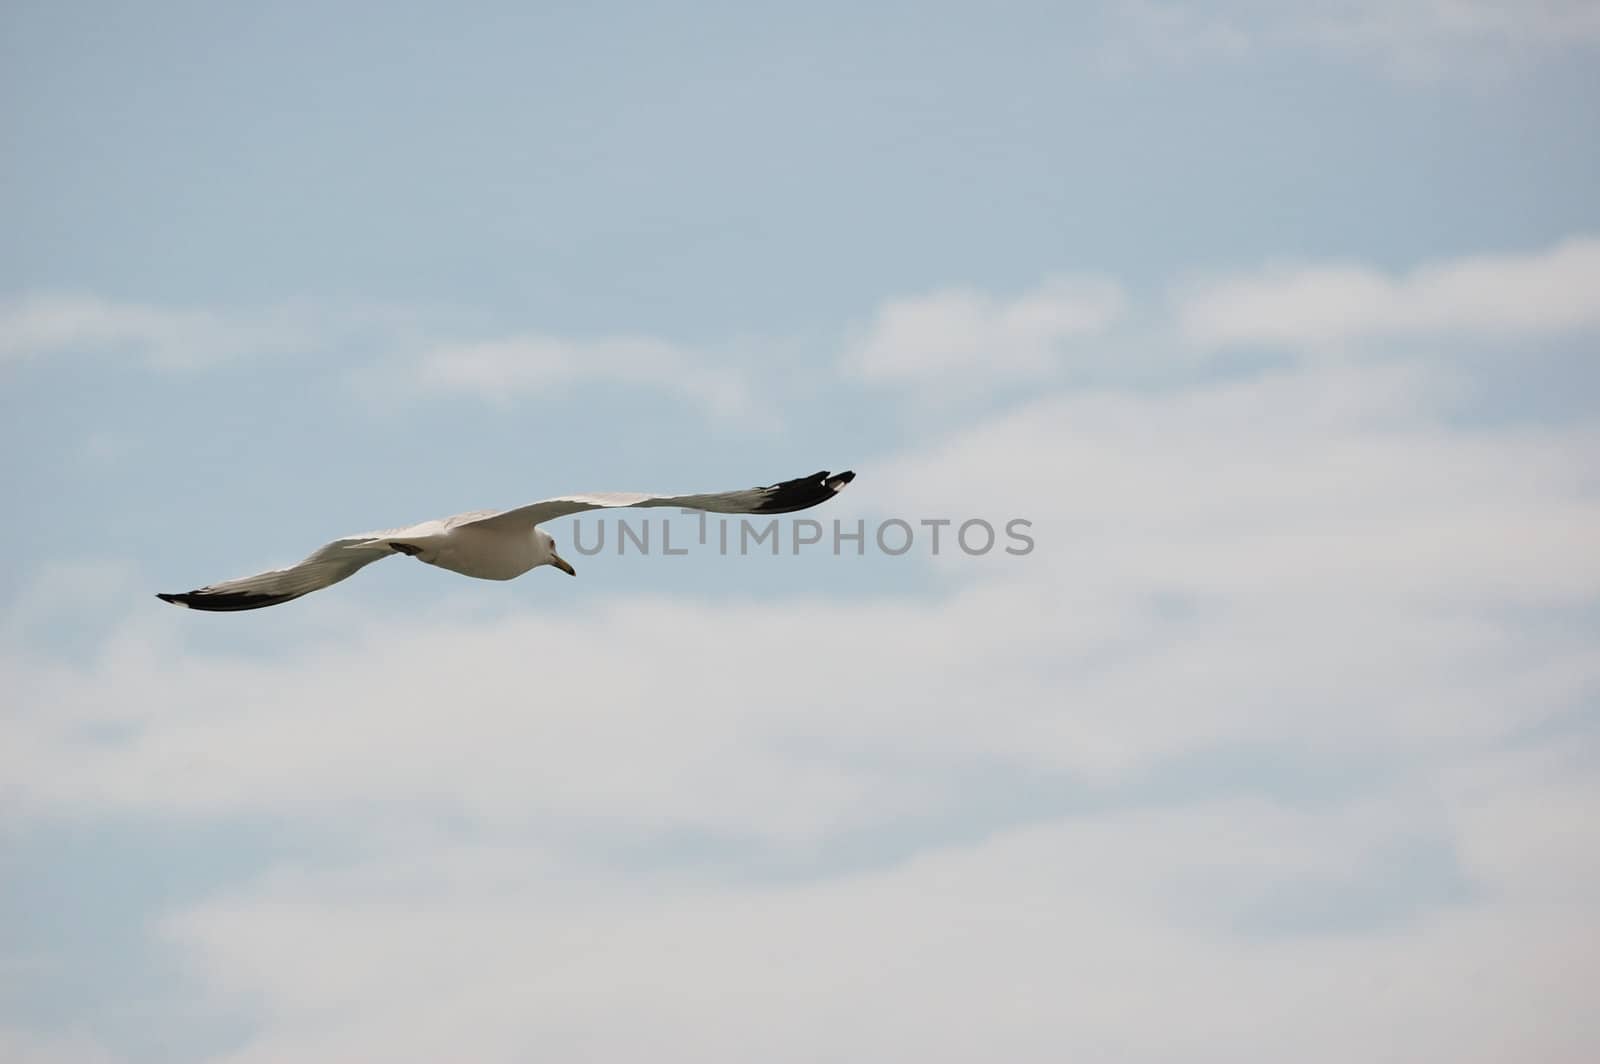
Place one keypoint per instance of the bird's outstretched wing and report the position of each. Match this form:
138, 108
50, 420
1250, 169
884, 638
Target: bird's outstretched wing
325, 566
787, 496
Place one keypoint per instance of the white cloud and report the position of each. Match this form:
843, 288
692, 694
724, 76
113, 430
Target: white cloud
1411, 38
958, 341
945, 338
42, 325
1061, 940
1553, 291
985, 819
414, 362
29, 1047
1317, 523
536, 365
63, 592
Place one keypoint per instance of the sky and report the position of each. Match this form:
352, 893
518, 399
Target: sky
1276, 323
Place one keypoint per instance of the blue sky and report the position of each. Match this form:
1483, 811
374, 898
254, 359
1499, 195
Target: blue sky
1277, 322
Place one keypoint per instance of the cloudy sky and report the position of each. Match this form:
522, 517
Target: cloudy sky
1278, 322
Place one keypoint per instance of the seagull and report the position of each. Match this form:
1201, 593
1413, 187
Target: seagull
487, 544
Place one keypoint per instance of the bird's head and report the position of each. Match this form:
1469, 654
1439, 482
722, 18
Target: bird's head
548, 555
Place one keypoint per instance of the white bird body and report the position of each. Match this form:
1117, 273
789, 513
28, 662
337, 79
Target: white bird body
486, 544
485, 553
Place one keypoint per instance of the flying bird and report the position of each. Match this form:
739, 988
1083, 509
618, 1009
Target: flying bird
487, 544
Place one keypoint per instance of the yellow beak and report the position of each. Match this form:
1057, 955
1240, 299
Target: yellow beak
561, 563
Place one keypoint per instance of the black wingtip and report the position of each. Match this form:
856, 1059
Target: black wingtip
225, 601
802, 493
